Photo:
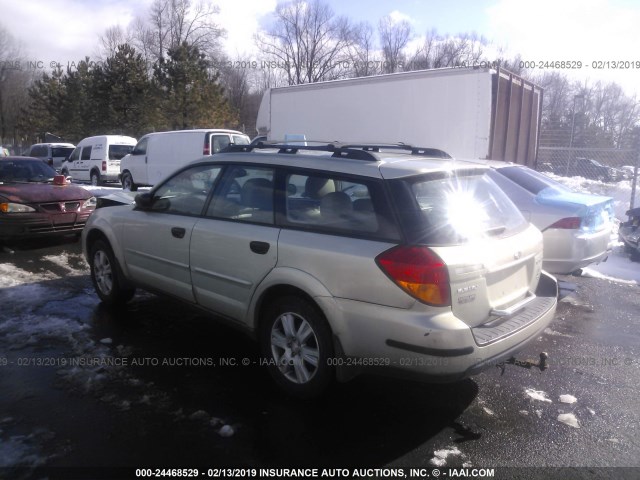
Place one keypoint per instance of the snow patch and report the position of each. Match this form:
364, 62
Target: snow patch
568, 399
617, 268
440, 456
538, 395
25, 330
226, 431
569, 419
18, 452
553, 333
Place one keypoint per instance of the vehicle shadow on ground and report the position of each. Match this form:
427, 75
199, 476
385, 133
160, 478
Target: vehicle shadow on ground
368, 421
30, 244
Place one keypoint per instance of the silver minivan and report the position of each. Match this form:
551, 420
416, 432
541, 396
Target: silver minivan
341, 261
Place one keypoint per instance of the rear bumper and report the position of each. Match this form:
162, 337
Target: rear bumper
566, 251
436, 347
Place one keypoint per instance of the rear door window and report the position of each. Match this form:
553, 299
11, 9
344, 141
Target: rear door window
246, 194
86, 153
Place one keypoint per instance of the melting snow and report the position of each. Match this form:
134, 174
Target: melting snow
440, 458
538, 395
617, 269
569, 419
553, 333
568, 399
226, 431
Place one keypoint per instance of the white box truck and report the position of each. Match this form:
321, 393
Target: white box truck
473, 113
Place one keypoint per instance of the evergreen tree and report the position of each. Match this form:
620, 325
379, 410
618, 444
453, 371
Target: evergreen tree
124, 93
190, 96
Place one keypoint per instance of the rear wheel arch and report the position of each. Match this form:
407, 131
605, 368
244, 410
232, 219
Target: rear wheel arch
271, 295
296, 342
94, 173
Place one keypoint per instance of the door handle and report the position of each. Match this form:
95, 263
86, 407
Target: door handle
178, 232
259, 247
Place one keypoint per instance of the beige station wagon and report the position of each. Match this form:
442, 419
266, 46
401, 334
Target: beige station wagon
337, 259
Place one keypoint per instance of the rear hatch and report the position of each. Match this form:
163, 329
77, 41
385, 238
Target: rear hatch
492, 255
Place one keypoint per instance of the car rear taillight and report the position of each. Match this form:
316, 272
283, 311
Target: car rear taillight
207, 148
419, 272
569, 223
104, 165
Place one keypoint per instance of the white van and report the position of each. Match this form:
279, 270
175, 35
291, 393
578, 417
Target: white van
97, 159
158, 154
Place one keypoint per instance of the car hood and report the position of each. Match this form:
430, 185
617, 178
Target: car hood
42, 192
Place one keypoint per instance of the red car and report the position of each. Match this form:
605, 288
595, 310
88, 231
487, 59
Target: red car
35, 201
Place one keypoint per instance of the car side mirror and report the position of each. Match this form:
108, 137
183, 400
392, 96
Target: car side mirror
144, 200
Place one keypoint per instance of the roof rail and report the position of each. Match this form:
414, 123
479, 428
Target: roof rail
361, 151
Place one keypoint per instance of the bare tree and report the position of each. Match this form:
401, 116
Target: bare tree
439, 52
363, 57
169, 24
308, 41
111, 39
13, 83
394, 37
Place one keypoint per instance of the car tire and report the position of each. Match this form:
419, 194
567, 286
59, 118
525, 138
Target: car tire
106, 275
296, 346
65, 173
127, 182
95, 178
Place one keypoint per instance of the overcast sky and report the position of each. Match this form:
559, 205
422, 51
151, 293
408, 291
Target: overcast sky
543, 30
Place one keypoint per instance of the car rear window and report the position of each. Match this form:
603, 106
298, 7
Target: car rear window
530, 180
116, 152
444, 209
61, 152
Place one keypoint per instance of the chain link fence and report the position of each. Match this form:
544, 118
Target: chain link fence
602, 171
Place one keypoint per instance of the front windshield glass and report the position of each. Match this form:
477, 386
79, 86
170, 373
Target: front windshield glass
25, 171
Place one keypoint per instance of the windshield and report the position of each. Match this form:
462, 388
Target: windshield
459, 209
25, 171
240, 140
116, 152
